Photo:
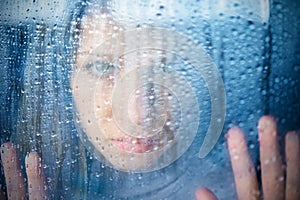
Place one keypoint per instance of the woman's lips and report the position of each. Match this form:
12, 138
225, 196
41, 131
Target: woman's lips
136, 145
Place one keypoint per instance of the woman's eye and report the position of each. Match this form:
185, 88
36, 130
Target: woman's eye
100, 67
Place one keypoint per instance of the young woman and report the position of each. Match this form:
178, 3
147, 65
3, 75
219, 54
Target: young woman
120, 161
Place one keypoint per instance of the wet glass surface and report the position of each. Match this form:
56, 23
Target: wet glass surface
64, 92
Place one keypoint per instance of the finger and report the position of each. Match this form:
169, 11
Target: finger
15, 182
292, 154
242, 165
271, 163
36, 180
205, 194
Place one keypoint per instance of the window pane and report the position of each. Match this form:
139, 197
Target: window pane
133, 99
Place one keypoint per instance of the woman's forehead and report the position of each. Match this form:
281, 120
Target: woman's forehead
106, 39
95, 30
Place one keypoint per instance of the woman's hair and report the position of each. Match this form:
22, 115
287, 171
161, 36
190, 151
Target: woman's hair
45, 99
74, 25
41, 111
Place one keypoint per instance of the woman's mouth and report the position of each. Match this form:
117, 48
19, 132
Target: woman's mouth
137, 145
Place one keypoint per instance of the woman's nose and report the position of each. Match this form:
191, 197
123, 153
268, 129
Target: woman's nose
146, 102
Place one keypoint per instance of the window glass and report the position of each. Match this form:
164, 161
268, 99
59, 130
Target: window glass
133, 99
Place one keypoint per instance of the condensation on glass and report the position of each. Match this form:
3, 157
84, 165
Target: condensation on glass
113, 97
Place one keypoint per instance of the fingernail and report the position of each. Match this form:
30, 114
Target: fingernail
292, 136
6, 146
266, 122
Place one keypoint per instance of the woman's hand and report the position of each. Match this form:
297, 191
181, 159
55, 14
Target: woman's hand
274, 184
15, 182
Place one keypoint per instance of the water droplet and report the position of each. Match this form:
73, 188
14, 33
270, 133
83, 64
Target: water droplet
281, 178
98, 174
251, 146
266, 162
134, 141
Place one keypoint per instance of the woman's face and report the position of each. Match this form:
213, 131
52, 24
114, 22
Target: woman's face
123, 114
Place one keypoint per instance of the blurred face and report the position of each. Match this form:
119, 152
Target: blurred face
120, 111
